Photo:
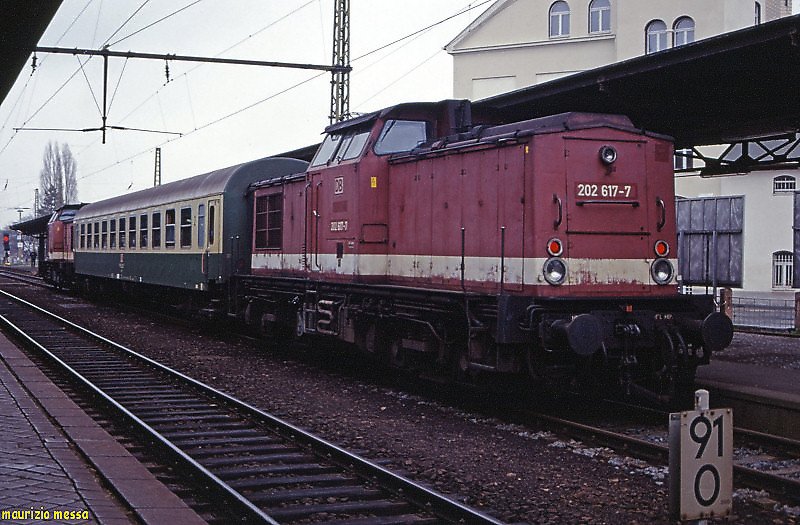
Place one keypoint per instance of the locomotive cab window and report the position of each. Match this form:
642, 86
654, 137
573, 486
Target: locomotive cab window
341, 147
398, 136
326, 150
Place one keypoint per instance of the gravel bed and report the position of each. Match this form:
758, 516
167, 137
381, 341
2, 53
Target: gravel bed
765, 350
519, 475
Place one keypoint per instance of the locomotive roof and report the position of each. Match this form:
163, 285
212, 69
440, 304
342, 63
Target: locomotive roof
212, 183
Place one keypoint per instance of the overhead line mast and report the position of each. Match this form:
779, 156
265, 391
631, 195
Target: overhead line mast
340, 76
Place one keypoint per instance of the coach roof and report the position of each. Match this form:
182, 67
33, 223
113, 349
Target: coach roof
213, 183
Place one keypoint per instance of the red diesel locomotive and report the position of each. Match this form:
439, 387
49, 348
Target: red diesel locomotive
543, 247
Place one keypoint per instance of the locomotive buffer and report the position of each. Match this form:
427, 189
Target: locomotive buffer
700, 461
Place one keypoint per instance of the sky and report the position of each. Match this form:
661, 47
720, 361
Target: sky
208, 116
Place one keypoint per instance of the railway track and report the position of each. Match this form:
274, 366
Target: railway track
773, 453
257, 466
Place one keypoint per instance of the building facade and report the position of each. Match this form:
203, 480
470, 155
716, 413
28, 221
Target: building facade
519, 43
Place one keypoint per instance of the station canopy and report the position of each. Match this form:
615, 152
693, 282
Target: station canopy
21, 26
729, 88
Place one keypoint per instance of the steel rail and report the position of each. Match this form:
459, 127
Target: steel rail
432, 501
789, 488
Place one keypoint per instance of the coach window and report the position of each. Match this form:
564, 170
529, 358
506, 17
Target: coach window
96, 243
401, 135
104, 237
122, 233
143, 231
112, 234
201, 224
83, 236
169, 234
156, 232
131, 232
186, 227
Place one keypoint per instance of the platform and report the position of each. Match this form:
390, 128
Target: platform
57, 465
764, 399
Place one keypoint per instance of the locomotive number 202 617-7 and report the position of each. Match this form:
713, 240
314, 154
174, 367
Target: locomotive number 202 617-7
607, 191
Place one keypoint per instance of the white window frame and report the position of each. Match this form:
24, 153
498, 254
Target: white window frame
657, 36
602, 10
559, 19
784, 184
683, 31
782, 270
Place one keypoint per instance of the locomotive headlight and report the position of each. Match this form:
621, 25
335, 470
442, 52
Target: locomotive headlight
608, 155
662, 271
555, 271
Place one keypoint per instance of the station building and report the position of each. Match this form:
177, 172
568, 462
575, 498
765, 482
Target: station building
519, 43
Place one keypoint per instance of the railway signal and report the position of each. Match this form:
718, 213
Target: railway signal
701, 461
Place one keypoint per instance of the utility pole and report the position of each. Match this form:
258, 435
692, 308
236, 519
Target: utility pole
340, 77
157, 174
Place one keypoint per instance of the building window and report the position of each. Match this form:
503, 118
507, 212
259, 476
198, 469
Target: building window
684, 161
656, 36
783, 183
782, 268
758, 13
683, 31
269, 218
559, 19
600, 16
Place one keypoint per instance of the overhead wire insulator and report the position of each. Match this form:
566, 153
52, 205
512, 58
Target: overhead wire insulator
166, 70
34, 59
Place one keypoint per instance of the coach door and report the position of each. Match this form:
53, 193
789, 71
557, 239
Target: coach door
212, 255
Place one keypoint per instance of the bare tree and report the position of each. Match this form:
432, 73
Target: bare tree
58, 178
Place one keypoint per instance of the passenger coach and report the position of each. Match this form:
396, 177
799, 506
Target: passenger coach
191, 234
